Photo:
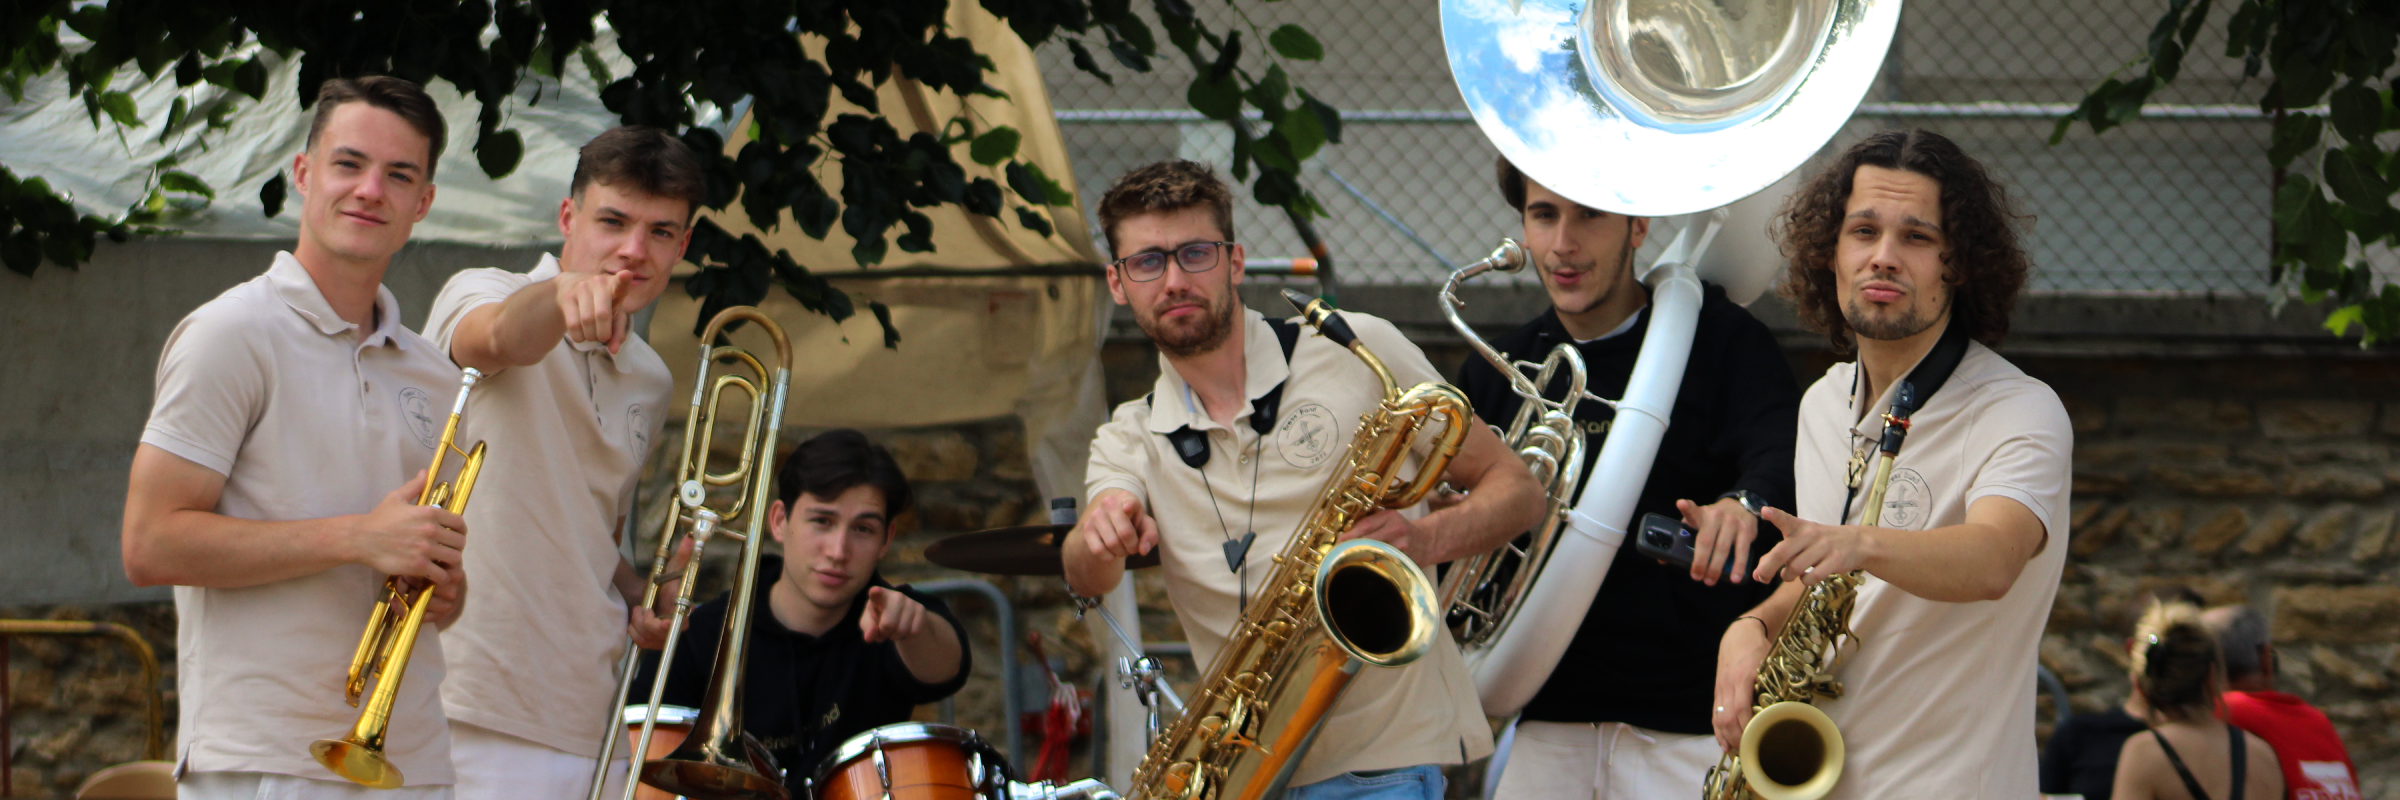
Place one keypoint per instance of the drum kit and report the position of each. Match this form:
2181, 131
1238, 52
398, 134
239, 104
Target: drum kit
931, 761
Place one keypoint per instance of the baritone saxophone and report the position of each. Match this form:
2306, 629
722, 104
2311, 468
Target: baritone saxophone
1328, 609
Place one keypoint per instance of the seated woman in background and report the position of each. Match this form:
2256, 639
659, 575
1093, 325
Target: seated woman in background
2189, 754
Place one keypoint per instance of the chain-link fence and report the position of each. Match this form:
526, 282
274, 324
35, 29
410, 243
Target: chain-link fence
2175, 203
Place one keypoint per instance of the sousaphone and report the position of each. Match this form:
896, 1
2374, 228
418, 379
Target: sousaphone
1652, 108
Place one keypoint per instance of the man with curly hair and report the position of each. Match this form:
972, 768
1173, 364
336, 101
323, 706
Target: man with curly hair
1905, 252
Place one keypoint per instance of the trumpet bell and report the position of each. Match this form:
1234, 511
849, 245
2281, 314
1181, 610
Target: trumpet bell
1663, 107
1792, 751
361, 762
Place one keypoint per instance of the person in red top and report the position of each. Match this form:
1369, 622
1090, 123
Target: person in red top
2315, 764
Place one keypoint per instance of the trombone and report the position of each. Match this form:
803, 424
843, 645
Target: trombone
718, 760
384, 648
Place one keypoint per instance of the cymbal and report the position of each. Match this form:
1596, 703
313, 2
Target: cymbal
1022, 550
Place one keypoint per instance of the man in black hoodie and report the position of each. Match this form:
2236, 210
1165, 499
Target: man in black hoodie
1626, 711
834, 650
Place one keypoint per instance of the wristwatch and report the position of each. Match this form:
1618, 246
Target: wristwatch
1750, 502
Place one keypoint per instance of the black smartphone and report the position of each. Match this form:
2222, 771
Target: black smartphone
1667, 539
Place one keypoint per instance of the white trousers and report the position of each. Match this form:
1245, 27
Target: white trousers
1604, 761
269, 786
496, 766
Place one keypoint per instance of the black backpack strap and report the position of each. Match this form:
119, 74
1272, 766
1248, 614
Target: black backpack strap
1192, 445
1264, 409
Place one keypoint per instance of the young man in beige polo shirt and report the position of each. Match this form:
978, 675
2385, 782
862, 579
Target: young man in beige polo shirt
1904, 247
1219, 524
571, 406
273, 484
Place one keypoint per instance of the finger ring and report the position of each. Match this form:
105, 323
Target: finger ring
1720, 709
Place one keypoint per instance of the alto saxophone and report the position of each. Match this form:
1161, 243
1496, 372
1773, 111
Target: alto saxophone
1791, 750
1329, 607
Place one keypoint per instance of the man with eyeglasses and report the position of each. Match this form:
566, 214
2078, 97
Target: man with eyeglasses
1230, 450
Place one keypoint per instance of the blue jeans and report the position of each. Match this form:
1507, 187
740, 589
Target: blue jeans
1420, 782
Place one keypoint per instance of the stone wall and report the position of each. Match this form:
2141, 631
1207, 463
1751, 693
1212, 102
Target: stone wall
77, 701
2258, 480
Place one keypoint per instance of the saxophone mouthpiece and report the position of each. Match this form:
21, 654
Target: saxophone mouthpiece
1315, 312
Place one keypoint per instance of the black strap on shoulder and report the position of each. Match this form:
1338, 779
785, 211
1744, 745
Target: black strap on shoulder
1264, 409
2241, 761
1192, 445
2190, 784
1915, 390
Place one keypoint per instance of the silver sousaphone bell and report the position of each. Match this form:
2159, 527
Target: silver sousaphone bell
1652, 108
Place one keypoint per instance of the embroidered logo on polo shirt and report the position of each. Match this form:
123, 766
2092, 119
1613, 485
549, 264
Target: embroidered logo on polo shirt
416, 407
1306, 437
637, 420
1906, 502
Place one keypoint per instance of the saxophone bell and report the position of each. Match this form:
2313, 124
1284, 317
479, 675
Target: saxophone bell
1791, 751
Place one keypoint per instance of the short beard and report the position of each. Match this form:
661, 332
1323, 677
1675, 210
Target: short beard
1204, 336
1895, 328
1624, 262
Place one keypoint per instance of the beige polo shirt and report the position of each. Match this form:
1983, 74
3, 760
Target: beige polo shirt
534, 656
1424, 713
268, 387
1939, 696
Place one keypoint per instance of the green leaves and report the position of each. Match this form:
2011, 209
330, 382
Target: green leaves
994, 146
2353, 178
498, 151
1029, 182
2357, 112
1218, 98
270, 195
120, 108
179, 181
1294, 42
2296, 134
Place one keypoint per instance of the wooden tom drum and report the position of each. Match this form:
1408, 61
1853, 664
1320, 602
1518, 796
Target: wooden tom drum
674, 723
911, 761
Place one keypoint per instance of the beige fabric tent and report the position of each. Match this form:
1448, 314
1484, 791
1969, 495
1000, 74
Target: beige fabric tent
973, 345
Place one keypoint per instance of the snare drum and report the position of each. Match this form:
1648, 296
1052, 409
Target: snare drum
674, 723
911, 761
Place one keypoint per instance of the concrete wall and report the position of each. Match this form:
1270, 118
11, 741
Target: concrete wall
78, 352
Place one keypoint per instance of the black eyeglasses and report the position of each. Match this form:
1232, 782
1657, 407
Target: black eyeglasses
1194, 258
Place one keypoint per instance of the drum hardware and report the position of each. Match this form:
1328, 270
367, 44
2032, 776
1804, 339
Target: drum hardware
1143, 674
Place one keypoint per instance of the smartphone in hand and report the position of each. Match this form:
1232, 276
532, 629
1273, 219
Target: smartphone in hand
1667, 539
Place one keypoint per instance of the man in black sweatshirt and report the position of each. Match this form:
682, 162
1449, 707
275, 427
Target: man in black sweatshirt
1626, 711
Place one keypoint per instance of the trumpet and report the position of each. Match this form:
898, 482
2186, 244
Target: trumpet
718, 760
384, 649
